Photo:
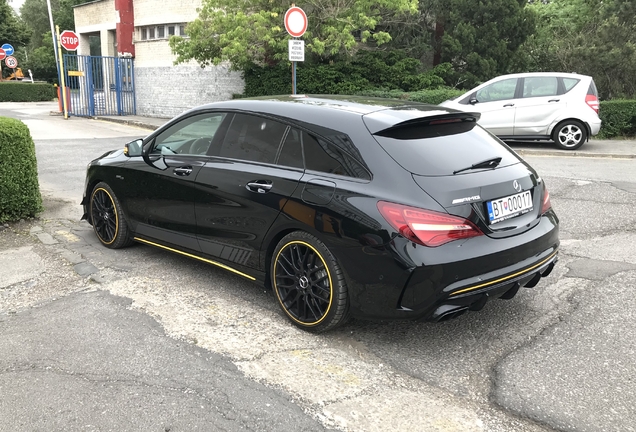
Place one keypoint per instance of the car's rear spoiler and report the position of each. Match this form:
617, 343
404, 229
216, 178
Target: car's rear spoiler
431, 126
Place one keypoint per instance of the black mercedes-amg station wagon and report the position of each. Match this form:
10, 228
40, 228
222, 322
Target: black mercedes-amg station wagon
345, 206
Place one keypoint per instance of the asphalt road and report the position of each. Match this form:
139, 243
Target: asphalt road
139, 339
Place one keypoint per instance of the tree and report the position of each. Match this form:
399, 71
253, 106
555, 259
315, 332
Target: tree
592, 37
252, 31
12, 29
480, 38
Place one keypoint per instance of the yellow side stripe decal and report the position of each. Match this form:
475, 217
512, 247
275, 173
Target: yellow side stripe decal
504, 278
223, 266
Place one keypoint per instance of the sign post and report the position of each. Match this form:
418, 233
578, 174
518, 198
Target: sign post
62, 78
296, 25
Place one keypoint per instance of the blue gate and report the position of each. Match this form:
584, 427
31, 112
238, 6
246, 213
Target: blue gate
99, 85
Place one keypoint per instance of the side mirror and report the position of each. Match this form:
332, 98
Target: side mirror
155, 161
473, 100
133, 148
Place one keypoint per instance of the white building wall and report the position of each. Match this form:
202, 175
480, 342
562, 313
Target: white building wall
162, 89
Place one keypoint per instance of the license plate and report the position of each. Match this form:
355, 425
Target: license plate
509, 207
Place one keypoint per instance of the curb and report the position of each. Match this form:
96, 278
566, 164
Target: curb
558, 153
137, 123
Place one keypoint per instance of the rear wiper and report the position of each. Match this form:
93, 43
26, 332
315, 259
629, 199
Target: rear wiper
488, 163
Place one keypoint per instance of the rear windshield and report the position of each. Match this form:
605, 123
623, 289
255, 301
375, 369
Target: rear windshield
445, 153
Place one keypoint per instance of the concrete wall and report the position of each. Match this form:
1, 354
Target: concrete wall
165, 91
149, 12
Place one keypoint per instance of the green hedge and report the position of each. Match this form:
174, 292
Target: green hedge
619, 118
19, 189
26, 92
392, 70
432, 96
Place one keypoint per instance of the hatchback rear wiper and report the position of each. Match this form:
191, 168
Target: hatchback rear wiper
488, 163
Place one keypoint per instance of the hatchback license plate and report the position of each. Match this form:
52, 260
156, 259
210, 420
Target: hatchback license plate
509, 207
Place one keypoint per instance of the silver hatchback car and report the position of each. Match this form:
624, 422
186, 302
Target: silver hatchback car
562, 107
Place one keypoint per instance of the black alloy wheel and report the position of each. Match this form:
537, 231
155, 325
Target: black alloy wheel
309, 283
107, 218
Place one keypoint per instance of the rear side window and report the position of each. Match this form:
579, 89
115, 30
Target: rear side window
323, 156
452, 148
253, 138
569, 83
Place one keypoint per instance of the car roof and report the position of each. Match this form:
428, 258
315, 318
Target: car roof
542, 74
332, 110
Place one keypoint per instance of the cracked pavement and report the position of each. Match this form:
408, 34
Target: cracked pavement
141, 339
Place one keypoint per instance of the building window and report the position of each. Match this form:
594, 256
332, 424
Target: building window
163, 31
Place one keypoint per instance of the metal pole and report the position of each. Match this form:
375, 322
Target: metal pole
294, 77
57, 60
61, 71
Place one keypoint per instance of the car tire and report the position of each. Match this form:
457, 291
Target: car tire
309, 283
569, 135
108, 218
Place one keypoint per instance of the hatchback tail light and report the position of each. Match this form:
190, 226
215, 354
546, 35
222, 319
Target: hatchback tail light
426, 227
592, 101
547, 205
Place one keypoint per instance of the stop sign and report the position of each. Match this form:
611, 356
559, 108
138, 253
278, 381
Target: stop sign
69, 40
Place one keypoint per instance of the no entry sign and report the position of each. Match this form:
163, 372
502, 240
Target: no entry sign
295, 21
2, 54
69, 40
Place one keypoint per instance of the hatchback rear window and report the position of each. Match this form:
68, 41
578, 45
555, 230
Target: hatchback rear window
444, 149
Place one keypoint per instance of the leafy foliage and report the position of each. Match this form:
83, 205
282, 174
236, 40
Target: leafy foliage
619, 118
432, 96
26, 92
12, 28
480, 38
592, 37
19, 190
392, 70
252, 31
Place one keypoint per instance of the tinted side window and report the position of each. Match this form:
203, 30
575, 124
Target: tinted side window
325, 157
501, 90
292, 153
191, 136
252, 138
540, 86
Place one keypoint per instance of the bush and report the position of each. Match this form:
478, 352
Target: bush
26, 92
619, 118
368, 71
19, 189
432, 96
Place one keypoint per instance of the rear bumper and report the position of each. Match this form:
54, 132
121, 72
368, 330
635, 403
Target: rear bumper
402, 280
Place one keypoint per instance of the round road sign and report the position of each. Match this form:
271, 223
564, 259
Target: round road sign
11, 62
8, 49
69, 40
2, 54
295, 21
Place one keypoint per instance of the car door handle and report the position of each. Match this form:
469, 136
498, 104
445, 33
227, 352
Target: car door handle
553, 100
508, 105
260, 186
183, 171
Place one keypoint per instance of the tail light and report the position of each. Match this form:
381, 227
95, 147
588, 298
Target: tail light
426, 227
547, 205
592, 101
